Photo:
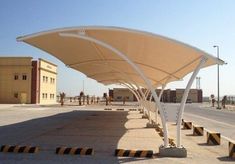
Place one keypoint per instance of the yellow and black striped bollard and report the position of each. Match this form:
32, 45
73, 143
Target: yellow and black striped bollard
171, 142
133, 109
213, 138
19, 149
231, 146
198, 131
134, 153
74, 151
161, 133
120, 109
187, 125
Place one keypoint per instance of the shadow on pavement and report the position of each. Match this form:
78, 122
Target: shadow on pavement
100, 130
226, 159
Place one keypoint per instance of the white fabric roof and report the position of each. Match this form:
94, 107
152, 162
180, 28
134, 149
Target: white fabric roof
161, 59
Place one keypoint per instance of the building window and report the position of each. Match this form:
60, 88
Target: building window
44, 95
52, 96
52, 80
119, 97
24, 77
45, 79
16, 95
16, 77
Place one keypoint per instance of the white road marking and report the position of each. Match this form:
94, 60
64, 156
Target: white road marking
192, 115
222, 136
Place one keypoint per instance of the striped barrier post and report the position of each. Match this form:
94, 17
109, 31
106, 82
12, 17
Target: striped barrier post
133, 109
171, 142
231, 146
133, 153
74, 151
213, 138
198, 131
107, 109
145, 116
19, 149
120, 109
187, 125
141, 111
161, 133
158, 128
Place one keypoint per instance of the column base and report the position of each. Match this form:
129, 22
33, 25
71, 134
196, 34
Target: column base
145, 117
151, 125
172, 152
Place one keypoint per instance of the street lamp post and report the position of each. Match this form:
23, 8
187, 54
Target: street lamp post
218, 99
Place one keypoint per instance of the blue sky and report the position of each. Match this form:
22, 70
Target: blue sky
199, 23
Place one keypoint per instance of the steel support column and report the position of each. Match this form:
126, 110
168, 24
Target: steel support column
184, 98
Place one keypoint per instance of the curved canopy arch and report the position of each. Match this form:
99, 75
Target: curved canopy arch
156, 59
160, 58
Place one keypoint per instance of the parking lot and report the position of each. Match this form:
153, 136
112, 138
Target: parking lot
49, 127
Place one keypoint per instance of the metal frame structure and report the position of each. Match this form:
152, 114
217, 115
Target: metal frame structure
184, 98
135, 67
125, 80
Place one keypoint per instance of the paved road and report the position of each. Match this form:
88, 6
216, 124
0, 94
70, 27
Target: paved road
91, 126
215, 120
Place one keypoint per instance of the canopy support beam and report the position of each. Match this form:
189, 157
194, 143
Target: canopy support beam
184, 98
133, 91
160, 96
135, 67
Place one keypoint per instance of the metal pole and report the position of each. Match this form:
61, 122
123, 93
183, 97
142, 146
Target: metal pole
83, 86
184, 98
160, 96
218, 97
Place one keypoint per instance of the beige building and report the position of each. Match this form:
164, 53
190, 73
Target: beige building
194, 95
119, 94
15, 79
25, 81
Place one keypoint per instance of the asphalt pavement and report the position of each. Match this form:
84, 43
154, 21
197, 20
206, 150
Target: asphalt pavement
222, 121
91, 126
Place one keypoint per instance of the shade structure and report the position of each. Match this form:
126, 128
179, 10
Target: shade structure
161, 59
113, 55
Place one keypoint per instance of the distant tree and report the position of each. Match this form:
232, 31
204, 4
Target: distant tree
92, 99
224, 100
106, 98
124, 100
80, 98
62, 97
87, 99
213, 100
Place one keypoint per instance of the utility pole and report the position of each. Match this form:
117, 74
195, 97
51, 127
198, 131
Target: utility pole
198, 84
218, 97
83, 86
